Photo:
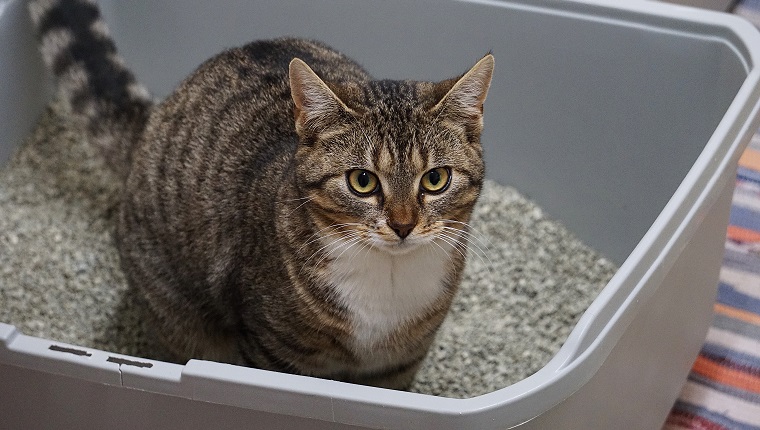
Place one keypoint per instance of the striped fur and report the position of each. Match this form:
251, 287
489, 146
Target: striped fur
238, 223
91, 77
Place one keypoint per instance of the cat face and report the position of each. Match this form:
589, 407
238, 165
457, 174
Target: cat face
394, 165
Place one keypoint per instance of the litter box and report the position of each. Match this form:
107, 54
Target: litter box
624, 121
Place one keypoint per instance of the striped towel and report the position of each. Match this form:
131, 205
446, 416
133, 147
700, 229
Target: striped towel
723, 389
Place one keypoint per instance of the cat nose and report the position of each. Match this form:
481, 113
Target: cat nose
402, 218
401, 229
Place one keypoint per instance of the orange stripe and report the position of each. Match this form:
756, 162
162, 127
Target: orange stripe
750, 159
741, 234
726, 376
738, 314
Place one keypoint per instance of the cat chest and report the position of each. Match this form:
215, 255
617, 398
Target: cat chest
384, 292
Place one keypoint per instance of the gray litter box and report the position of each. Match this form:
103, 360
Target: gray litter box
623, 120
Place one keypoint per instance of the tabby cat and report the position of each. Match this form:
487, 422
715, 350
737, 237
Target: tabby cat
281, 208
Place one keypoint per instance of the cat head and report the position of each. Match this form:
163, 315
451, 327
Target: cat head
391, 164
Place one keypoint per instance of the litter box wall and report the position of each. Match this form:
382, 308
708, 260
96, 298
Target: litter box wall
624, 121
22, 75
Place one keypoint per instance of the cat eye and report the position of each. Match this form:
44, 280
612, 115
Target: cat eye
436, 180
362, 182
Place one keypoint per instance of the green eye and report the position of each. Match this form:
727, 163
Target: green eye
362, 182
436, 180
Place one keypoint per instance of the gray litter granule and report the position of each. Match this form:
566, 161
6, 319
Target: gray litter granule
527, 280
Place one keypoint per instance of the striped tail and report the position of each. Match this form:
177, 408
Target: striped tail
91, 77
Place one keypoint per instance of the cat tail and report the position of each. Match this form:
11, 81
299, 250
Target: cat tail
91, 78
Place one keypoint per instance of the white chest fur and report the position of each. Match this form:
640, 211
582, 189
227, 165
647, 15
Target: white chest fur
384, 290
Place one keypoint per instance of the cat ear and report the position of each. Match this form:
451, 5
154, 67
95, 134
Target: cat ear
317, 108
465, 98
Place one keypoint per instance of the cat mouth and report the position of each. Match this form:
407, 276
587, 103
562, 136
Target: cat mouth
399, 245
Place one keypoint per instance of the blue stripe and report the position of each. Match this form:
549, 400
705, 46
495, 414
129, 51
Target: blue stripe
740, 358
725, 389
728, 295
748, 175
738, 326
741, 261
712, 416
745, 218
751, 4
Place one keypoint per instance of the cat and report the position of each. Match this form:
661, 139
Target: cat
281, 208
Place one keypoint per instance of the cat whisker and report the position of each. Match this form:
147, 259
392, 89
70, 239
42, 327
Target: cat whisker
474, 247
348, 245
343, 247
471, 240
327, 245
317, 236
294, 200
344, 236
369, 248
337, 226
306, 200
454, 244
477, 233
447, 253
468, 238
452, 241
471, 234
348, 237
366, 245
459, 241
